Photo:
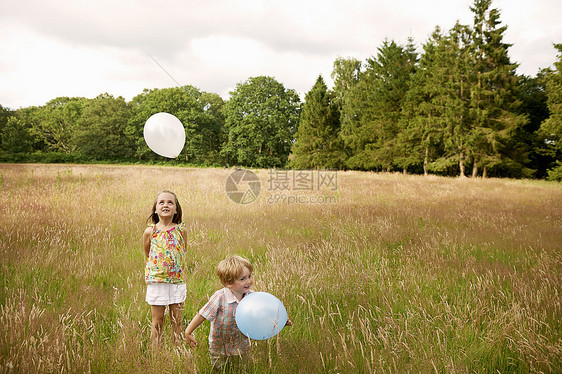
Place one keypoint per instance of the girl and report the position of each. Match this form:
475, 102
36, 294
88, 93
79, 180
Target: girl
164, 244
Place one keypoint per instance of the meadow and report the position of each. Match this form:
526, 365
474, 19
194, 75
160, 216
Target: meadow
389, 273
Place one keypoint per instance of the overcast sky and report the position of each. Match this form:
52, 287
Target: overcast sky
52, 48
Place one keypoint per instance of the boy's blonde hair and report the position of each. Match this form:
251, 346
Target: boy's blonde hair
231, 268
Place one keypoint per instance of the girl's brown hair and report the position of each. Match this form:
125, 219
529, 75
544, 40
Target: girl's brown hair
154, 217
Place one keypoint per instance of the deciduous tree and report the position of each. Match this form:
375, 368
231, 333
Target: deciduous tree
261, 120
56, 123
100, 131
200, 113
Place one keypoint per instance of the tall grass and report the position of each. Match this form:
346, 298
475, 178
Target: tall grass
401, 274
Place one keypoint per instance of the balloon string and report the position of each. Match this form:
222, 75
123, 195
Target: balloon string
162, 67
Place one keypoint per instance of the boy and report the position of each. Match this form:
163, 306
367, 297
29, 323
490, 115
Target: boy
227, 345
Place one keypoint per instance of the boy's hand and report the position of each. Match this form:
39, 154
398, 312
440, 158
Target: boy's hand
289, 322
190, 340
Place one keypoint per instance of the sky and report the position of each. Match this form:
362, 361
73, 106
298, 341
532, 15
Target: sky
83, 48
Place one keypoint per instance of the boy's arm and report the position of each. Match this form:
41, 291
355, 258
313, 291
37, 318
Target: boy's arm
195, 322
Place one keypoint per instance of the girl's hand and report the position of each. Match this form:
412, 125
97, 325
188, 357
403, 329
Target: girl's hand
190, 340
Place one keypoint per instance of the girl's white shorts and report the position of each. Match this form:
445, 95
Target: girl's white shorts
165, 293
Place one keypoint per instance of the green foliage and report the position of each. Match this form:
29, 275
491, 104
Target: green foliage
200, 113
100, 132
451, 90
29, 119
493, 104
346, 74
56, 123
372, 108
527, 140
15, 136
421, 134
206, 132
318, 144
4, 115
555, 174
261, 120
44, 157
551, 128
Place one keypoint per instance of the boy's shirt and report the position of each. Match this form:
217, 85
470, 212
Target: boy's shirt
224, 338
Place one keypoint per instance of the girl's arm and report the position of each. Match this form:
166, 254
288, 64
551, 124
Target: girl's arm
184, 234
195, 322
146, 241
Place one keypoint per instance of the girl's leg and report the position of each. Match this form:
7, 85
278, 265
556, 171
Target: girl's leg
176, 314
157, 324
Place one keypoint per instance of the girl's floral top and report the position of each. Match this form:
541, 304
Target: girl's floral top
166, 260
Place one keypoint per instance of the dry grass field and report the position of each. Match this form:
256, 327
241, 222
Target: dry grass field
389, 274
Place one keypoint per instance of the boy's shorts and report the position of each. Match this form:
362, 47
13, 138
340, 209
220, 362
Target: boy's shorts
228, 364
165, 293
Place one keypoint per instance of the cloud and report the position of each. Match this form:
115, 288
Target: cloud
81, 48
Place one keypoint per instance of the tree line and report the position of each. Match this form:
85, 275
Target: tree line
456, 108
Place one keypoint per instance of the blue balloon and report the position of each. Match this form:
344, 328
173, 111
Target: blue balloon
260, 315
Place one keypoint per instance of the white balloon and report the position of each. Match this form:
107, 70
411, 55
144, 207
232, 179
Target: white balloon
164, 134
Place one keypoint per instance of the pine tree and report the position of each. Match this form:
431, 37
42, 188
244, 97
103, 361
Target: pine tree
551, 128
493, 101
405, 144
373, 109
448, 86
318, 144
346, 75
421, 135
